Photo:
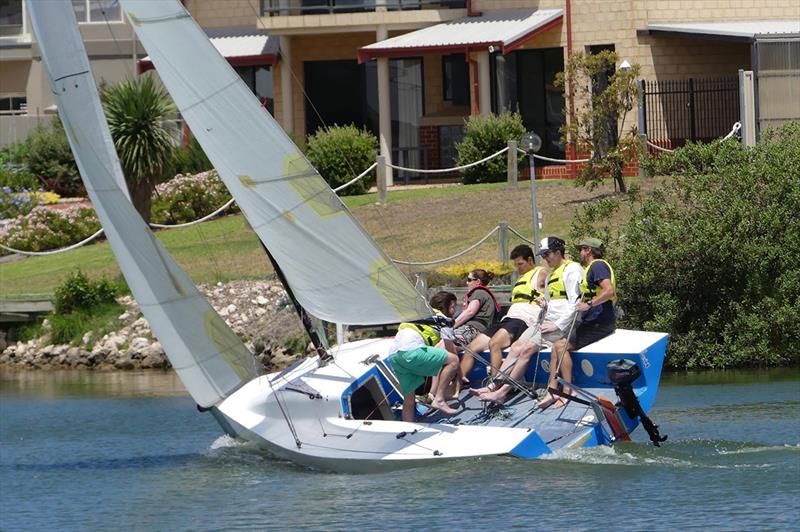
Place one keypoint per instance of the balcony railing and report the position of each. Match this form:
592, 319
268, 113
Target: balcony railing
277, 8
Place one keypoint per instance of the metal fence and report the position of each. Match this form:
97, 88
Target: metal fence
676, 111
778, 81
317, 7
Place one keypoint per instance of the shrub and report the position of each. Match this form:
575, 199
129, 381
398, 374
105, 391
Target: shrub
17, 177
190, 159
43, 229
710, 257
78, 292
188, 197
454, 274
340, 154
47, 155
484, 136
13, 204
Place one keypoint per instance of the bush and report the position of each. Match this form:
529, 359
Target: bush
484, 136
17, 177
47, 155
710, 257
78, 292
43, 229
454, 274
340, 154
188, 197
190, 159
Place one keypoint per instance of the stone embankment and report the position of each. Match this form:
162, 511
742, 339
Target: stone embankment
259, 312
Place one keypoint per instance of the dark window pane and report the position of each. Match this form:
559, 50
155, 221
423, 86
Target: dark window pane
455, 79
336, 89
102, 10
10, 12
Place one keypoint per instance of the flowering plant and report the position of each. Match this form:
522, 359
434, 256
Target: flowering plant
188, 197
44, 229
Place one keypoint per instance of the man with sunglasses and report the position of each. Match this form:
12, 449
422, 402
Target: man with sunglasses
561, 295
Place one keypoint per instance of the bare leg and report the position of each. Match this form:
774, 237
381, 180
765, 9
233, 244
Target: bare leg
409, 407
522, 355
513, 354
479, 344
560, 363
498, 342
445, 377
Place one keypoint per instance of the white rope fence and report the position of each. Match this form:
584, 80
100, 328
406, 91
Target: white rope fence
520, 236
203, 219
356, 178
734, 130
54, 251
551, 160
443, 170
451, 257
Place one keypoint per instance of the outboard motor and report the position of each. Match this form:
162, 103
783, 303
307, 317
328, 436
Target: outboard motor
622, 373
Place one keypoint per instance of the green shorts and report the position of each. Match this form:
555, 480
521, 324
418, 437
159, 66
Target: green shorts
411, 367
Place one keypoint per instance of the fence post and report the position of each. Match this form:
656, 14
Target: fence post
642, 124
502, 241
747, 107
512, 164
422, 283
381, 179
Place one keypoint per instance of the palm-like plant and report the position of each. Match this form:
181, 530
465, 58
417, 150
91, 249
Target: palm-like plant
137, 111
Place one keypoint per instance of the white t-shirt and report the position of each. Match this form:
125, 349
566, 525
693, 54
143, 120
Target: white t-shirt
408, 338
561, 311
527, 312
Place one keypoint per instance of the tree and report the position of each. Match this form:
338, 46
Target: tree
604, 97
137, 112
711, 256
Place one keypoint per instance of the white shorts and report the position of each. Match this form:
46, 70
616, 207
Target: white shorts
534, 335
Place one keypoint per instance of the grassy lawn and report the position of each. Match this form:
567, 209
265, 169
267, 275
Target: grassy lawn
418, 224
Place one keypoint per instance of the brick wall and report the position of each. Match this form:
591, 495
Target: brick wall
223, 13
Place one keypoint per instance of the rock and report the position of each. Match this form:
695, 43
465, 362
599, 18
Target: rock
87, 338
140, 324
139, 344
124, 362
125, 316
261, 300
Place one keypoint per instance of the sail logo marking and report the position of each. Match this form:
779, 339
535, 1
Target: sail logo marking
311, 187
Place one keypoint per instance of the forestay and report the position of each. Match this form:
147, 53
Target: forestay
210, 359
335, 270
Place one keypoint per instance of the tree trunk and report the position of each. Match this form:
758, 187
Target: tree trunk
141, 192
618, 177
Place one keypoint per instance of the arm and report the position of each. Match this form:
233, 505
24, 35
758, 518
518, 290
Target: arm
467, 313
606, 293
573, 275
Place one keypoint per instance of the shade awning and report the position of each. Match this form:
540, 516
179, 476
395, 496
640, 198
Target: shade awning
734, 30
240, 46
506, 30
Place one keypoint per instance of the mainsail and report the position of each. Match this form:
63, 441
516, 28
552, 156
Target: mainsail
335, 270
209, 358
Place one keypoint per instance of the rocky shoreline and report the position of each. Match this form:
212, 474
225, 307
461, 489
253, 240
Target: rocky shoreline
259, 312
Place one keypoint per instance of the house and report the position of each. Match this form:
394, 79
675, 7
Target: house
413, 70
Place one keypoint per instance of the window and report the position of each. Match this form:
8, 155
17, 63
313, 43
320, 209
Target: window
13, 105
524, 82
97, 11
10, 12
259, 80
455, 79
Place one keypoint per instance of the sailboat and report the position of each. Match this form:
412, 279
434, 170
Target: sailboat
337, 410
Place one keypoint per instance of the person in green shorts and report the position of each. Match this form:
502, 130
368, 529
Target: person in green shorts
421, 351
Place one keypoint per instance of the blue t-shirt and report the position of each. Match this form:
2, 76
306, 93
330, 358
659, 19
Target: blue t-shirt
603, 313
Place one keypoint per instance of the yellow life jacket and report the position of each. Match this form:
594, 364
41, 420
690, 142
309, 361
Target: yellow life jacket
587, 293
555, 283
428, 333
524, 290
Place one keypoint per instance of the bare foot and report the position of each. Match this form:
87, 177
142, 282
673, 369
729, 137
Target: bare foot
497, 396
546, 401
485, 389
440, 405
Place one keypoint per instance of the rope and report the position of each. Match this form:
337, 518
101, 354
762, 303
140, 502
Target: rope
735, 129
551, 160
519, 235
443, 170
439, 261
203, 219
54, 251
362, 174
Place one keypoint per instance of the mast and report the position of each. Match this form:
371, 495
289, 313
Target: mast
319, 347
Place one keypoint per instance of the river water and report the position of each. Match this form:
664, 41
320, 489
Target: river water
130, 451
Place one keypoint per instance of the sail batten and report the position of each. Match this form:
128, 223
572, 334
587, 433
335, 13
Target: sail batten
210, 360
328, 260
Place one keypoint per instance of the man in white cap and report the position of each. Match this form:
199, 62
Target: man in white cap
561, 295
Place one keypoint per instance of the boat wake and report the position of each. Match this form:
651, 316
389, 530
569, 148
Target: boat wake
713, 454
